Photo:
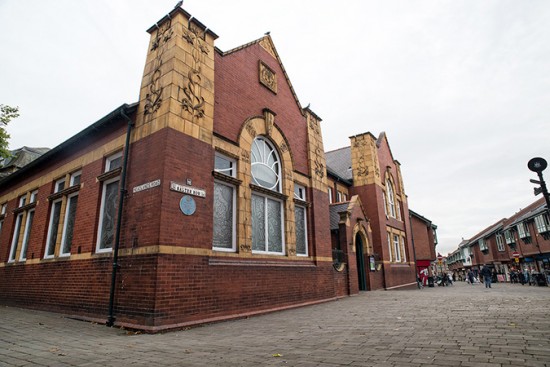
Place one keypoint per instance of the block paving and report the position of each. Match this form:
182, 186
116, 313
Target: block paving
462, 325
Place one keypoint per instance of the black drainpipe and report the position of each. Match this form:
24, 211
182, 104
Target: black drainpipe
111, 318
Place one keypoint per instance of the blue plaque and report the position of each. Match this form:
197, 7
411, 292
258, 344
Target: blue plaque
188, 205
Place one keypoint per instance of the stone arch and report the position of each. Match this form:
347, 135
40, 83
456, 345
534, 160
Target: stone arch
266, 127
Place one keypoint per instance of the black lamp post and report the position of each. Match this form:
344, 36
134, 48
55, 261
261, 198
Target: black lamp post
538, 165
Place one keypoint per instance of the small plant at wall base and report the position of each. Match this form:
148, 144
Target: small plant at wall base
7, 113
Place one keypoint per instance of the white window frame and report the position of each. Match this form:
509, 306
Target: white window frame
523, 230
65, 222
266, 227
50, 225
4, 208
509, 237
233, 219
300, 194
231, 172
500, 242
59, 185
22, 200
390, 247
26, 235
98, 248
385, 203
338, 196
73, 177
16, 235
396, 245
330, 200
110, 159
482, 244
391, 198
34, 195
543, 223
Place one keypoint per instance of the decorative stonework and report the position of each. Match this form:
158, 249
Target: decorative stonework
316, 155
320, 169
269, 118
266, 45
153, 99
189, 95
251, 130
362, 169
268, 78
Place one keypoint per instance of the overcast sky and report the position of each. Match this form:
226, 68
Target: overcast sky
461, 88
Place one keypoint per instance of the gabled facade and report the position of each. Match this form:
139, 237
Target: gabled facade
424, 239
367, 169
208, 199
517, 243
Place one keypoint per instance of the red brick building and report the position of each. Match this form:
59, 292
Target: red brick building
208, 198
424, 238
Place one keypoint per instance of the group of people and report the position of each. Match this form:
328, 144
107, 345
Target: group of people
485, 273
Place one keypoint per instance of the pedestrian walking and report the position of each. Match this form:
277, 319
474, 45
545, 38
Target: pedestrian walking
487, 276
471, 277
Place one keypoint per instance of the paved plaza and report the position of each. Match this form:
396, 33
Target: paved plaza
462, 325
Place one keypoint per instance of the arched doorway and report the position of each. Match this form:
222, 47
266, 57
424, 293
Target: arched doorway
359, 253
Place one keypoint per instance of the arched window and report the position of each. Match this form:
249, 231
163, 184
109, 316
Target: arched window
391, 198
266, 169
267, 210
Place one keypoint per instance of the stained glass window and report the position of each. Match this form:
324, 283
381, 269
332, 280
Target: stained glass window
267, 216
301, 232
224, 205
109, 205
54, 226
70, 216
28, 227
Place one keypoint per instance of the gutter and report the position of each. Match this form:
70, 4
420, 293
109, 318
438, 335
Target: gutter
111, 318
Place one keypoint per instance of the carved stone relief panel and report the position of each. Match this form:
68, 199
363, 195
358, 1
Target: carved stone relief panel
268, 78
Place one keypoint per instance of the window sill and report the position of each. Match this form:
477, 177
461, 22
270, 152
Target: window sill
260, 262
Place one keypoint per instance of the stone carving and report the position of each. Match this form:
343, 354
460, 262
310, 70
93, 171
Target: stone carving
266, 45
314, 124
359, 142
269, 121
283, 147
191, 100
245, 248
362, 169
319, 167
251, 130
153, 99
245, 156
292, 252
268, 77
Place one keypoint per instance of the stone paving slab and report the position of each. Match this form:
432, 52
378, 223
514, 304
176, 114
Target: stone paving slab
462, 325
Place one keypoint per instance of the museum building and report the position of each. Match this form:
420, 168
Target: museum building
210, 198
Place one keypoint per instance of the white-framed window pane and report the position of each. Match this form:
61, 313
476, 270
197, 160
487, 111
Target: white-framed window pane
224, 216
301, 230
390, 247
70, 215
330, 195
55, 215
385, 203
107, 220
4, 208
15, 240
113, 162
59, 185
224, 165
265, 166
28, 228
22, 200
396, 248
75, 178
274, 226
34, 195
258, 223
299, 192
